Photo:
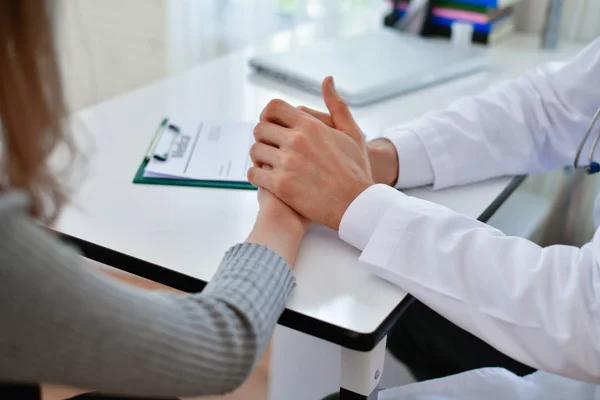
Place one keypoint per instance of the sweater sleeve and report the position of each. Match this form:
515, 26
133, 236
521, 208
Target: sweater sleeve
67, 324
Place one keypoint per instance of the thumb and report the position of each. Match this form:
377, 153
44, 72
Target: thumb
340, 113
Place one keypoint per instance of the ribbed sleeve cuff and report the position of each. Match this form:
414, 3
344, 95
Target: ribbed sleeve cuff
253, 255
257, 279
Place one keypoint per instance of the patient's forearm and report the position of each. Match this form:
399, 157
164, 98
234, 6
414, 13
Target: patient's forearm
282, 234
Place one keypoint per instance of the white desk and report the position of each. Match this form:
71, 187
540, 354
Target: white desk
177, 235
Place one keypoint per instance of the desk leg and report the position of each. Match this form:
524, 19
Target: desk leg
361, 373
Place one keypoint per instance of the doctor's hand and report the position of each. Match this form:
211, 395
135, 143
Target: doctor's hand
382, 153
316, 169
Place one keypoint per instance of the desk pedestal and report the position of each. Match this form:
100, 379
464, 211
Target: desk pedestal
361, 373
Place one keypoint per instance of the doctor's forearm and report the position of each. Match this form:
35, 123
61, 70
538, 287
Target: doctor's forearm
401, 161
537, 305
384, 161
526, 125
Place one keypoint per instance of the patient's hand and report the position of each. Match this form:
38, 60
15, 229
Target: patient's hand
278, 212
56, 392
317, 170
277, 225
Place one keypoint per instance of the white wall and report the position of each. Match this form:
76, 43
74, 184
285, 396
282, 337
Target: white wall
529, 16
579, 20
109, 47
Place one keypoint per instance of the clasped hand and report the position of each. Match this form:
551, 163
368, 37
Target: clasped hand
316, 163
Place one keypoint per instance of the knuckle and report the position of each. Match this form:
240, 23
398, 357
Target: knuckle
251, 175
274, 105
313, 125
288, 161
258, 129
269, 109
298, 139
254, 151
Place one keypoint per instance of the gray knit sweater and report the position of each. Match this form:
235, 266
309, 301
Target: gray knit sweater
64, 323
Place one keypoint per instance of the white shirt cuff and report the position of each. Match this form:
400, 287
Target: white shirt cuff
365, 213
415, 167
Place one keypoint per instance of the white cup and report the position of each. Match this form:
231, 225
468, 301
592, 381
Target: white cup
462, 33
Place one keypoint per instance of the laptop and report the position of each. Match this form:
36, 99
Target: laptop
372, 66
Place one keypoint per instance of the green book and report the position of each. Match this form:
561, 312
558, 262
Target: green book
462, 6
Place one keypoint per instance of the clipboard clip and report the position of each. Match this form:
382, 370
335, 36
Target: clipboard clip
161, 144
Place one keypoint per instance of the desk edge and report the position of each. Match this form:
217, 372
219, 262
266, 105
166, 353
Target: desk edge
291, 319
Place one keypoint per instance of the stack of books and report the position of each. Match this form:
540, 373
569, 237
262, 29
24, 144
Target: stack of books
492, 20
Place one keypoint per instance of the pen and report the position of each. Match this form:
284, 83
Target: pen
157, 135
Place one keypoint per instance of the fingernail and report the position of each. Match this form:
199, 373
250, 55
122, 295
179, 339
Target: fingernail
332, 83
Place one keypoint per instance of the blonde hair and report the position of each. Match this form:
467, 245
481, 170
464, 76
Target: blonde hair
32, 107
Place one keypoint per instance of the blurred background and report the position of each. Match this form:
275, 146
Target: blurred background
113, 46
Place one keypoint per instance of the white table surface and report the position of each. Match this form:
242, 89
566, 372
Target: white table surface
188, 229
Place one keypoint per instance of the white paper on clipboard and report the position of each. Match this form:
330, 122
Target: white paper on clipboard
205, 150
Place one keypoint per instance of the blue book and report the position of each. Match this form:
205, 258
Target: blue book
488, 3
479, 28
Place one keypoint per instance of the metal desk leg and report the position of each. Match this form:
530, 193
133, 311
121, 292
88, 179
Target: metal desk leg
361, 373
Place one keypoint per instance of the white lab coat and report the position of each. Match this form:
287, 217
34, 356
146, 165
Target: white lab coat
540, 306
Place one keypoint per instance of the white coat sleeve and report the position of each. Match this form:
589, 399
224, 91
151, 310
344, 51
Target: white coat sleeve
540, 306
527, 125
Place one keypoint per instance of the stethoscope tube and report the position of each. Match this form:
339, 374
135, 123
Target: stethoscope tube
592, 166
